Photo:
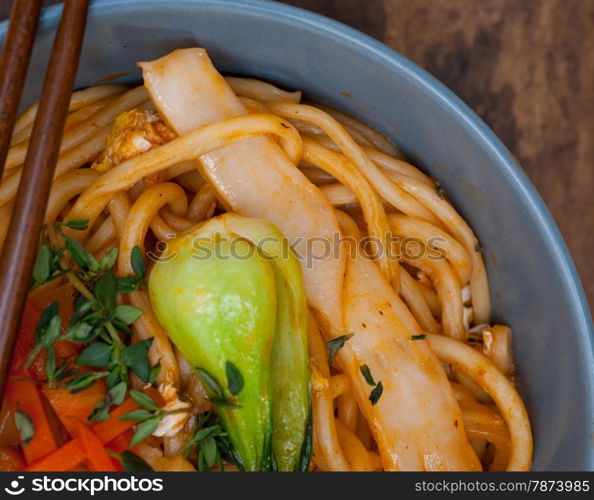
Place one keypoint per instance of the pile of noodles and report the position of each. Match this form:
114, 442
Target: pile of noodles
361, 173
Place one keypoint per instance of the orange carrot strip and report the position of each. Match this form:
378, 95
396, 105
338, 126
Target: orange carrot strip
65, 458
112, 427
73, 453
25, 396
97, 458
79, 406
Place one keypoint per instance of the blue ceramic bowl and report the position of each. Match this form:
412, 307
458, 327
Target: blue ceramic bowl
534, 285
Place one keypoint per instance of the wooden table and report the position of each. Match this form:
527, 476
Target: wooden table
525, 66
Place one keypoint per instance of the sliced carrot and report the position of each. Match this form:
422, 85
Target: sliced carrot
80, 405
73, 453
97, 458
121, 443
111, 428
25, 342
26, 397
63, 459
11, 459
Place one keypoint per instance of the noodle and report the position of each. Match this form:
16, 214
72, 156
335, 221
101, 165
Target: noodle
420, 380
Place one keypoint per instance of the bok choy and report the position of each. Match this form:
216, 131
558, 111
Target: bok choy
230, 295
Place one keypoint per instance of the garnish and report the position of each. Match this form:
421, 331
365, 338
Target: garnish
335, 345
234, 378
25, 426
418, 337
376, 393
478, 248
367, 374
215, 390
211, 443
130, 461
97, 320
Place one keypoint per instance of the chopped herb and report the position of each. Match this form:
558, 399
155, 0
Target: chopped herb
137, 262
376, 393
130, 461
367, 374
145, 429
127, 314
109, 260
137, 415
76, 224
439, 190
478, 248
211, 383
144, 400
234, 378
87, 379
42, 266
211, 443
418, 337
96, 355
25, 426
154, 374
335, 345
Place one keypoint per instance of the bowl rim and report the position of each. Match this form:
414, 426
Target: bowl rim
468, 119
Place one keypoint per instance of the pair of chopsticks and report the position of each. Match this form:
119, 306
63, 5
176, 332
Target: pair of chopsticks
30, 204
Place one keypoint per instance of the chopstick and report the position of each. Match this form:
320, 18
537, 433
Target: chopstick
20, 246
24, 18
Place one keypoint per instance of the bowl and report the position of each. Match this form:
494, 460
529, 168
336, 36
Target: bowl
534, 284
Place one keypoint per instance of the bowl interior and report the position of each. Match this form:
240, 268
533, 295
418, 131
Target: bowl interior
533, 282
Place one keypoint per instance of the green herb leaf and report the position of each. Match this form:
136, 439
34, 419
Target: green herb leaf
335, 345
135, 352
117, 393
367, 374
81, 332
207, 432
211, 383
128, 314
84, 380
208, 454
137, 416
105, 291
25, 426
128, 284
137, 261
50, 363
154, 374
376, 393
109, 260
418, 337
78, 253
44, 320
144, 400
77, 224
131, 461
42, 266
52, 332
234, 378
145, 429
96, 355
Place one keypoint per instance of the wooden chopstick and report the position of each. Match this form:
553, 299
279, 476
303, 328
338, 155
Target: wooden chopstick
31, 201
13, 67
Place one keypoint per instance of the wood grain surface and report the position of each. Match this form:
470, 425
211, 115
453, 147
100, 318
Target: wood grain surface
525, 66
